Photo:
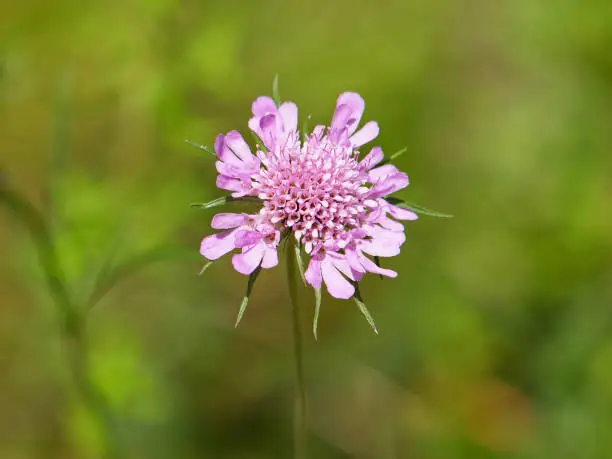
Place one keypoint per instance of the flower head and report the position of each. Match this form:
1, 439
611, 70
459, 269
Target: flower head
317, 190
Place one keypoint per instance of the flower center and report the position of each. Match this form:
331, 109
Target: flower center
316, 190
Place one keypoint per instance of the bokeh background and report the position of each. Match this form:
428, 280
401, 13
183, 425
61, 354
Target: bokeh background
496, 339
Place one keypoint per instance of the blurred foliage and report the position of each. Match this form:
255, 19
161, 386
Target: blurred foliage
494, 341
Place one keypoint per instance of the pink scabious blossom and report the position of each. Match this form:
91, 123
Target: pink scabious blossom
316, 190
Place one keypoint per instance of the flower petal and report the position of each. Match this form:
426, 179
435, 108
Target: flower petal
389, 185
390, 224
366, 134
245, 238
401, 214
237, 146
313, 273
349, 109
353, 260
268, 128
289, 114
263, 105
228, 220
381, 172
336, 284
254, 126
372, 267
217, 245
384, 243
229, 183
370, 160
341, 264
222, 151
270, 258
248, 261
351, 267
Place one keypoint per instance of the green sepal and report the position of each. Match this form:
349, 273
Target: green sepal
206, 148
395, 155
398, 153
416, 208
245, 300
224, 200
205, 267
362, 307
275, 92
298, 258
315, 322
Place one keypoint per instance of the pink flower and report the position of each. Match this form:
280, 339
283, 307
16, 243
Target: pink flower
316, 190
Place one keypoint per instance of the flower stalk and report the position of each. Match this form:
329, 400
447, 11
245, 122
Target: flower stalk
300, 415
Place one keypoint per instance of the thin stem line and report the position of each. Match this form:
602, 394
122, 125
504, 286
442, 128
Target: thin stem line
300, 420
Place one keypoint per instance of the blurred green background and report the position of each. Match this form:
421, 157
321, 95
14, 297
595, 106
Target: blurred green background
496, 338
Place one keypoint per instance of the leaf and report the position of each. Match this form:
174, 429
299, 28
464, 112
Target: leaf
206, 148
298, 258
362, 307
245, 300
416, 208
315, 322
275, 92
224, 200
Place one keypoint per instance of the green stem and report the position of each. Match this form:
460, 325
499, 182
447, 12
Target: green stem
94, 400
73, 323
300, 420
